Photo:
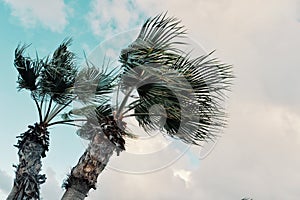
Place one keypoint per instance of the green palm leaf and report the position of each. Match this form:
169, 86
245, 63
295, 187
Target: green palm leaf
155, 43
58, 75
28, 69
94, 84
190, 90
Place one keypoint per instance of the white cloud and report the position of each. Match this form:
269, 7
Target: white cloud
110, 17
52, 14
5, 182
184, 175
52, 188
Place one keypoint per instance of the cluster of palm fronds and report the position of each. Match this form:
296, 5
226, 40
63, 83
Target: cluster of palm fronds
191, 90
49, 79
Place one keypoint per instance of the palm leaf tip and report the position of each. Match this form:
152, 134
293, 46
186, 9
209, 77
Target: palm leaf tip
59, 73
155, 42
95, 84
27, 68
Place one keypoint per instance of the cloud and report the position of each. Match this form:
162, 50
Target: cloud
161, 185
51, 14
110, 17
257, 156
184, 175
5, 182
52, 188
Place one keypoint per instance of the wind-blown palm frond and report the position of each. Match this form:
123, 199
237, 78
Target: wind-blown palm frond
59, 73
94, 84
155, 43
191, 95
190, 91
28, 69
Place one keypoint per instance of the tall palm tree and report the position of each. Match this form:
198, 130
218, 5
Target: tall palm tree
157, 71
50, 82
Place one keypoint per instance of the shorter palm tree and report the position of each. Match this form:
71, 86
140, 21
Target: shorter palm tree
50, 82
155, 69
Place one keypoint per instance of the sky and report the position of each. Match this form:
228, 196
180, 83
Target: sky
257, 154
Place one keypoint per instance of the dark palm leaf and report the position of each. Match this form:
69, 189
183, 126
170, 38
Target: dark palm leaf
154, 44
58, 75
190, 91
191, 98
28, 69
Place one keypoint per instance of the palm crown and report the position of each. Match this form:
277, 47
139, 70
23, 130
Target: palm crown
190, 90
49, 80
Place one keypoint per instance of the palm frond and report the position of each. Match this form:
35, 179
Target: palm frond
86, 111
28, 69
190, 90
59, 73
95, 84
155, 43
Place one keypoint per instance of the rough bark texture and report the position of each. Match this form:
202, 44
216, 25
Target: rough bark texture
84, 175
32, 146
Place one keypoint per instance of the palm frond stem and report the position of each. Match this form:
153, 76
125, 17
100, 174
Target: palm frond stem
49, 108
139, 114
117, 99
42, 103
67, 121
57, 111
119, 111
38, 107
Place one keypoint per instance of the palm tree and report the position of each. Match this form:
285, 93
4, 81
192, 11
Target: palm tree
155, 71
50, 82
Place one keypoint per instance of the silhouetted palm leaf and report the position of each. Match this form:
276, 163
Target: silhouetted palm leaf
28, 69
155, 43
95, 84
191, 90
58, 75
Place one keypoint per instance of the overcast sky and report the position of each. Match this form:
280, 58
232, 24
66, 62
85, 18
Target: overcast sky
257, 155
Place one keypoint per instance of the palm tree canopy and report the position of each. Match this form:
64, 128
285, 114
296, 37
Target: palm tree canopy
50, 77
58, 74
191, 90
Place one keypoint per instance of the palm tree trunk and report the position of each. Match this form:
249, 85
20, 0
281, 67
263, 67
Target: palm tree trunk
32, 146
84, 175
